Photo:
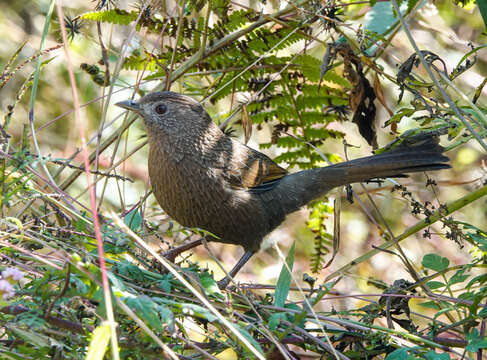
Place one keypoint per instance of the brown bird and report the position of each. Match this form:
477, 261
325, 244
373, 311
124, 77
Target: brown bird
203, 178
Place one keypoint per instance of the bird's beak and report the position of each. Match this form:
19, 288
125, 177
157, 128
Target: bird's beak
129, 105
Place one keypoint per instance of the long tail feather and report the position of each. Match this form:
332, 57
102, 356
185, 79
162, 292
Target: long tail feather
298, 189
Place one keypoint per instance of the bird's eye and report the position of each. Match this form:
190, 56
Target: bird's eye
161, 109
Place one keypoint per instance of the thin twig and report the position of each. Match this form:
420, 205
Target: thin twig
434, 79
174, 51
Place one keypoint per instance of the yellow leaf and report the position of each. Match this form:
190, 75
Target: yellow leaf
99, 342
228, 354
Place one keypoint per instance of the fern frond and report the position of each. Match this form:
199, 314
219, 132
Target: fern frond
135, 62
115, 16
322, 239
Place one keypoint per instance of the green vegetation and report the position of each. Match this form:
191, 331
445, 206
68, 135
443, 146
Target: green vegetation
83, 270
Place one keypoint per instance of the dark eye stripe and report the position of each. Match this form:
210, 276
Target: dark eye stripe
161, 109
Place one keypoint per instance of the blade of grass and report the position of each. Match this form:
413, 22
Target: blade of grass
434, 79
91, 186
437, 215
178, 276
284, 281
35, 84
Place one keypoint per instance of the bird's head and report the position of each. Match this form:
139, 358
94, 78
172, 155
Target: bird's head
169, 113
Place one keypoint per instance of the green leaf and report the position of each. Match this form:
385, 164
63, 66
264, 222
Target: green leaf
430, 305
411, 4
209, 284
399, 354
293, 316
117, 284
480, 240
475, 342
199, 311
166, 316
78, 285
397, 117
454, 130
445, 311
478, 279
99, 342
435, 262
249, 337
133, 272
468, 296
284, 281
483, 10
275, 320
144, 307
30, 320
133, 219
432, 355
79, 225
379, 19
35, 339
458, 277
165, 283
12, 355
435, 284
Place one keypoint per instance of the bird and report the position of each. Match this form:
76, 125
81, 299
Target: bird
203, 178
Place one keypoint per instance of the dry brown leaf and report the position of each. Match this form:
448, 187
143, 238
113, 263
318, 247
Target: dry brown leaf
379, 93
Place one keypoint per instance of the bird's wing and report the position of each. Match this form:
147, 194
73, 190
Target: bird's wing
251, 170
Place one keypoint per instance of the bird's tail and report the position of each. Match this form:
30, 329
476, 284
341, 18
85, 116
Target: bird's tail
421, 153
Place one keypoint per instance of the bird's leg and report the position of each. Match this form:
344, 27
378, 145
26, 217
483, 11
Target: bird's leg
173, 253
223, 283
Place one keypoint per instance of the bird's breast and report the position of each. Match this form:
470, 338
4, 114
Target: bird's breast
187, 191
196, 195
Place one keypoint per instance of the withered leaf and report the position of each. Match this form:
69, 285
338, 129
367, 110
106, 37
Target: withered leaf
379, 93
362, 96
